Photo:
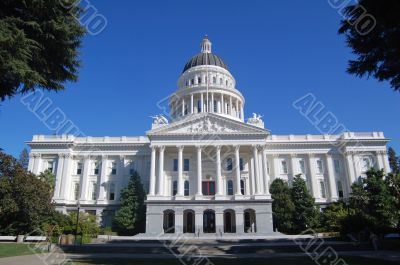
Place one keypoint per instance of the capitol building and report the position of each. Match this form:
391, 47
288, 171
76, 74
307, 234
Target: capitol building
206, 168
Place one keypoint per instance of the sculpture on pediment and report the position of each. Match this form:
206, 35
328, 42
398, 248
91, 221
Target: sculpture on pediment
256, 120
159, 120
206, 126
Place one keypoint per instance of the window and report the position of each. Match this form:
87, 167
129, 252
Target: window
241, 164
95, 168
230, 187
198, 105
76, 191
340, 189
320, 168
228, 109
242, 186
215, 106
302, 166
175, 166
229, 164
94, 190
322, 187
113, 168
187, 82
186, 186
366, 164
50, 165
208, 188
336, 163
199, 80
78, 168
221, 81
174, 188
192, 82
111, 195
186, 164
132, 168
226, 83
214, 80
284, 167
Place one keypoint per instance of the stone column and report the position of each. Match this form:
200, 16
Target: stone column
85, 178
242, 111
237, 108
199, 174
212, 102
237, 162
66, 182
222, 104
153, 171
253, 180
59, 175
178, 220
265, 167
350, 167
313, 177
260, 172
239, 216
219, 188
31, 162
386, 165
198, 220
256, 169
180, 171
331, 177
219, 221
103, 178
191, 104
161, 171
379, 160
36, 165
230, 106
202, 102
293, 168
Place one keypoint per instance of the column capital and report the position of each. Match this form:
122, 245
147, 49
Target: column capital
199, 147
218, 147
237, 147
311, 155
275, 155
161, 148
104, 157
36, 155
59, 155
292, 155
180, 147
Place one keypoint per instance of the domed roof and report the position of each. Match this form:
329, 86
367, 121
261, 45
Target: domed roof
205, 59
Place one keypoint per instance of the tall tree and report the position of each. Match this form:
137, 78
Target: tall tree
393, 161
377, 44
306, 213
39, 42
48, 177
130, 219
24, 158
333, 216
282, 206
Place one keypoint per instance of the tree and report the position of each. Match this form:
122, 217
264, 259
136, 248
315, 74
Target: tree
25, 200
39, 42
282, 206
394, 161
131, 217
333, 216
372, 30
393, 184
306, 213
24, 158
48, 177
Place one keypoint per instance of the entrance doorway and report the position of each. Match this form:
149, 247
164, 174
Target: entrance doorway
209, 221
188, 221
229, 221
169, 222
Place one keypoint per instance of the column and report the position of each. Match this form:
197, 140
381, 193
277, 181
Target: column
256, 170
350, 168
260, 172
153, 171
161, 171
312, 178
265, 167
103, 178
180, 171
199, 173
237, 161
331, 177
253, 180
202, 102
386, 165
212, 102
379, 160
198, 220
36, 164
219, 221
59, 175
293, 168
85, 178
242, 111
237, 108
240, 221
191, 104
66, 177
230, 106
178, 220
222, 104
218, 166
183, 107
31, 162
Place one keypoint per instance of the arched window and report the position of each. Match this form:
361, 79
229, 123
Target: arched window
174, 188
230, 187
186, 188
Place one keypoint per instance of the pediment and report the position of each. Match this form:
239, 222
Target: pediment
207, 123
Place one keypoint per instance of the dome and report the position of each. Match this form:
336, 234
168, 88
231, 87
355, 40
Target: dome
205, 59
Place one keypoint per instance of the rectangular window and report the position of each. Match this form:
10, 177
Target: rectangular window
336, 163
241, 164
186, 164
76, 191
94, 191
199, 80
284, 167
186, 188
192, 82
208, 188
221, 81
366, 164
175, 166
95, 169
111, 195
215, 106
174, 188
229, 164
113, 168
320, 168
214, 80
322, 187
302, 166
230, 187
50, 165
242, 186
78, 168
198, 106
340, 189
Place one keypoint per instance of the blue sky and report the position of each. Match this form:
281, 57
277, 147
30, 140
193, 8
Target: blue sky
278, 51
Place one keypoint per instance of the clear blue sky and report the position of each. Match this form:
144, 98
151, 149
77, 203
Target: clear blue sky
278, 51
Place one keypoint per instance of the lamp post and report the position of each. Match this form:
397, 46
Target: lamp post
78, 204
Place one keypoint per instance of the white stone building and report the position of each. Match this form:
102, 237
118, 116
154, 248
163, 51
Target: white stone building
206, 169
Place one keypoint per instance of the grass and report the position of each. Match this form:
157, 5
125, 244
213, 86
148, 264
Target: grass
253, 261
14, 249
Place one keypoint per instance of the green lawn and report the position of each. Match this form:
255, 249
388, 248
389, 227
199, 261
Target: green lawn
252, 261
13, 249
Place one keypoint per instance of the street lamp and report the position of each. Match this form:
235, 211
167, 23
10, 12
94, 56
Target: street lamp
78, 204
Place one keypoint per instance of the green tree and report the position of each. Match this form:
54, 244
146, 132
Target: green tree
25, 200
306, 213
48, 177
333, 216
24, 158
393, 184
131, 217
282, 206
87, 225
39, 42
394, 161
377, 45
